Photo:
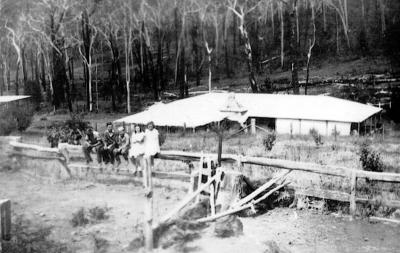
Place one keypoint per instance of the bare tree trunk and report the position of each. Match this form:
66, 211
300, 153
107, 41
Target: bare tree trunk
282, 34
324, 15
209, 51
17, 79
310, 48
225, 28
294, 50
195, 37
24, 70
272, 21
383, 22
337, 35
297, 23
2, 69
8, 76
248, 51
234, 51
43, 71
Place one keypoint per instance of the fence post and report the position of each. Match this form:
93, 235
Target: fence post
253, 125
5, 220
353, 188
149, 208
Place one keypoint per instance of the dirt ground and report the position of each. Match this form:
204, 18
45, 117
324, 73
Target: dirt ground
47, 204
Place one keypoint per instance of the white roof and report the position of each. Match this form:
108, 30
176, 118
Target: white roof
204, 109
6, 99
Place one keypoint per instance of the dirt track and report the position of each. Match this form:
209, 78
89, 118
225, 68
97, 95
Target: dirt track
47, 204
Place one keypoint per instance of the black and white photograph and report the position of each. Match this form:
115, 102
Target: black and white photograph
204, 126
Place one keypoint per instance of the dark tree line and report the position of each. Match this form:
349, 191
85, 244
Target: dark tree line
66, 51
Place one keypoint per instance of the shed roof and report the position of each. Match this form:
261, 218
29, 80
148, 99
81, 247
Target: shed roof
207, 108
6, 99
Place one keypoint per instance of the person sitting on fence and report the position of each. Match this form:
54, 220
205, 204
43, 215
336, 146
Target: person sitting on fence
53, 137
136, 150
75, 135
151, 146
92, 142
110, 143
122, 145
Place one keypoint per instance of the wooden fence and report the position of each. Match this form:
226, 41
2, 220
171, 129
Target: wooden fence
351, 174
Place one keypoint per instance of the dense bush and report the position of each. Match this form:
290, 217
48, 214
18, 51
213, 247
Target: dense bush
269, 140
316, 137
162, 137
15, 118
77, 119
370, 160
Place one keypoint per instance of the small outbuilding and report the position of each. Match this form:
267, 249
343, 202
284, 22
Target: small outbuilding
13, 100
286, 114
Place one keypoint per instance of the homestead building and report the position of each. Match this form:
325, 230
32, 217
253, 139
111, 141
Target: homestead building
286, 114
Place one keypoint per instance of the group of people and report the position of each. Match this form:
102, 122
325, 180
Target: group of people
71, 135
139, 148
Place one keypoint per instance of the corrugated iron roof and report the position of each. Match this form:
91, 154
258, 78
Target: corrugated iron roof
207, 108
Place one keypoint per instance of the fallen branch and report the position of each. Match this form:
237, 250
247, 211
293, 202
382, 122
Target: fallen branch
238, 209
373, 218
261, 189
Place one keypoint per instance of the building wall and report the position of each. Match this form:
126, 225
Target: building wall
298, 126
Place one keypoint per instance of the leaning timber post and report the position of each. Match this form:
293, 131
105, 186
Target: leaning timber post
353, 188
253, 126
212, 187
5, 221
148, 208
220, 136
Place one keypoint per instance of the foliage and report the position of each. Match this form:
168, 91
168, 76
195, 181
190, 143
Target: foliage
77, 119
392, 42
28, 237
317, 137
15, 118
370, 160
269, 140
33, 89
83, 217
98, 213
79, 218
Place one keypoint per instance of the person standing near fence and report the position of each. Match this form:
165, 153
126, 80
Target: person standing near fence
136, 151
151, 147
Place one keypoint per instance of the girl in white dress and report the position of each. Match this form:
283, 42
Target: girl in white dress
136, 150
151, 147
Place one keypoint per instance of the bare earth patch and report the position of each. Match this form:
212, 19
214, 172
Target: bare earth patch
52, 205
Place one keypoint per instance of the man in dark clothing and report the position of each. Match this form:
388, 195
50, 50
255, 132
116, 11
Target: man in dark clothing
92, 142
110, 143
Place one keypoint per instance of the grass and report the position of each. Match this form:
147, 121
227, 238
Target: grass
342, 152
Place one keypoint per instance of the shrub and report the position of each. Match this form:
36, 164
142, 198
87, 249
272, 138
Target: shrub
161, 138
15, 118
77, 119
316, 137
370, 160
98, 213
79, 218
269, 140
83, 216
